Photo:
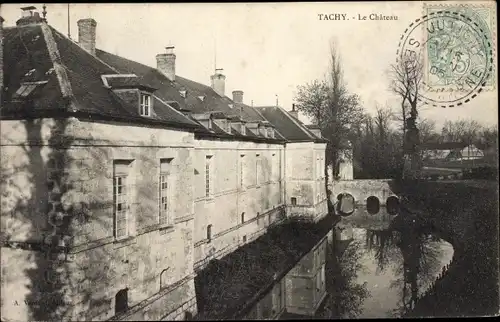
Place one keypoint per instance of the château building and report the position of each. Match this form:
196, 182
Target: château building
121, 182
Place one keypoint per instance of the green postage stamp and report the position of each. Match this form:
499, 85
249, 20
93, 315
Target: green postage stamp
460, 46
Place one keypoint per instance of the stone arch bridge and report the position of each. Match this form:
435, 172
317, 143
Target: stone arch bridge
363, 191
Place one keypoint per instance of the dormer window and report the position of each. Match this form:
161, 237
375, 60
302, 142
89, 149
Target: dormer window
270, 133
145, 105
183, 92
28, 89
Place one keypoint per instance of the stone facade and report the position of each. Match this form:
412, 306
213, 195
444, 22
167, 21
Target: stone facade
245, 194
305, 180
156, 262
41, 177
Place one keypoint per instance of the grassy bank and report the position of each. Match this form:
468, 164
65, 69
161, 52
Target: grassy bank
468, 213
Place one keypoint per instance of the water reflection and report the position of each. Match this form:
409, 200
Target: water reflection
345, 294
377, 270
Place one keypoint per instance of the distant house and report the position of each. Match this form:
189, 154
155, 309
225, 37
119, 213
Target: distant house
451, 151
471, 152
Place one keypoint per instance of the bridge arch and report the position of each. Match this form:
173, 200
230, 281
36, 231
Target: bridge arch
392, 205
372, 205
346, 204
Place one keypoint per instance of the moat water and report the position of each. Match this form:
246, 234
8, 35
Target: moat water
378, 271
376, 266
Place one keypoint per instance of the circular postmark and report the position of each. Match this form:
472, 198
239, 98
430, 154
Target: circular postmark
449, 56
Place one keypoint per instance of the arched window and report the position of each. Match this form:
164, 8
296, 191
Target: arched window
242, 217
121, 301
209, 233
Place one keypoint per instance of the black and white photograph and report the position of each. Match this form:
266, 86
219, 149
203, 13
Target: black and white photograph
248, 161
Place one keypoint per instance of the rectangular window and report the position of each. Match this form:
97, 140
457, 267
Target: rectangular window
208, 176
242, 171
209, 233
145, 106
120, 196
164, 216
273, 168
257, 169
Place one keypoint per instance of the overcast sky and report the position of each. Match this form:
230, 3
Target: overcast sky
265, 49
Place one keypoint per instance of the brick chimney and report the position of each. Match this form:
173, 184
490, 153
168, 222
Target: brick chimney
87, 34
29, 16
238, 96
219, 82
1, 58
294, 112
165, 63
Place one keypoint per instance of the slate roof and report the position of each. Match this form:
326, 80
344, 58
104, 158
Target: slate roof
31, 55
150, 76
83, 91
192, 102
170, 91
291, 128
73, 81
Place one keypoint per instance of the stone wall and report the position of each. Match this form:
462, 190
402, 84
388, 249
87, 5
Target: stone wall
66, 167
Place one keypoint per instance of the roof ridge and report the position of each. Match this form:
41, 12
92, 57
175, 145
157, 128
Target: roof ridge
302, 127
256, 110
59, 68
128, 59
93, 56
206, 86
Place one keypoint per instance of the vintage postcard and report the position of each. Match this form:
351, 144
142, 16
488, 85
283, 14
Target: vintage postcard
247, 161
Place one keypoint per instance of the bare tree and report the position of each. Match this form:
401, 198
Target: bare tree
406, 79
466, 131
427, 129
453, 131
332, 107
382, 120
400, 116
